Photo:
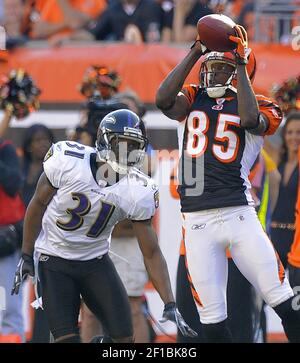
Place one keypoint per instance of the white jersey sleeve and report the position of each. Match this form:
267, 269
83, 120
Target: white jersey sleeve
145, 198
56, 163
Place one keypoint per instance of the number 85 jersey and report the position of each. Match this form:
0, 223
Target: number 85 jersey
78, 221
216, 152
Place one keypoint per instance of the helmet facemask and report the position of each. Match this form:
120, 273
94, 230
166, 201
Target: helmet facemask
217, 74
122, 152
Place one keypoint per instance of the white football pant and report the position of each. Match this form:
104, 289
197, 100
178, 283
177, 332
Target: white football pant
208, 234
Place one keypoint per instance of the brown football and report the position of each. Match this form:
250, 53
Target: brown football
214, 31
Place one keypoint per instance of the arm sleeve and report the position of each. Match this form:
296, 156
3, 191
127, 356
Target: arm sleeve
272, 112
145, 205
10, 173
189, 90
54, 165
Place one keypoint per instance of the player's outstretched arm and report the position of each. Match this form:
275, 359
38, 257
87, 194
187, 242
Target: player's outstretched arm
34, 214
154, 260
167, 98
32, 225
158, 272
247, 104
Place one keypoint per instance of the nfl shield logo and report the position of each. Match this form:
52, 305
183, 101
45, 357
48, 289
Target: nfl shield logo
219, 105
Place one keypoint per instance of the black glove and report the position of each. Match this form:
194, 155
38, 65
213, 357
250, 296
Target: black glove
25, 267
171, 313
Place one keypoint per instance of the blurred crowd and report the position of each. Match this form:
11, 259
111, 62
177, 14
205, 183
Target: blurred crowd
132, 21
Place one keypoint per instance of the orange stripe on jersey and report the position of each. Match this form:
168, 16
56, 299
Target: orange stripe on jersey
270, 110
190, 90
254, 170
228, 99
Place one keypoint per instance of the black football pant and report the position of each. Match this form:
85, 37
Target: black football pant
294, 276
64, 282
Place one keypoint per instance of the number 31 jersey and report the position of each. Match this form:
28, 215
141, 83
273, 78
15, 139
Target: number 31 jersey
78, 221
216, 152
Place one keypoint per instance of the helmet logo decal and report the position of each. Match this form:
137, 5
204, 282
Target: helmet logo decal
111, 119
219, 106
131, 129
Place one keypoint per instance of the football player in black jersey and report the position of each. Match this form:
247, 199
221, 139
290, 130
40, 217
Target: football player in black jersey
224, 124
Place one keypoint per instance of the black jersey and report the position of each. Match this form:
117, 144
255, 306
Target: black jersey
216, 152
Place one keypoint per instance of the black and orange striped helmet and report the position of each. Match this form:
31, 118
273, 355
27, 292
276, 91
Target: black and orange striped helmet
229, 58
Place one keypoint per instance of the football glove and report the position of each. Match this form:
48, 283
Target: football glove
25, 267
171, 313
241, 39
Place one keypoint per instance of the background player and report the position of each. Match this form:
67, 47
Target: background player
71, 217
222, 129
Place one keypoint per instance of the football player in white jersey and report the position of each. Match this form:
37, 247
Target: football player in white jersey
79, 198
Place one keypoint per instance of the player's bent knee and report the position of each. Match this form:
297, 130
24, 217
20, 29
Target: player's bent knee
214, 314
278, 294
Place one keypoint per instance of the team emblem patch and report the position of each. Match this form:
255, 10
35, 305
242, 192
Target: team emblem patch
49, 153
219, 106
111, 119
128, 130
156, 199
